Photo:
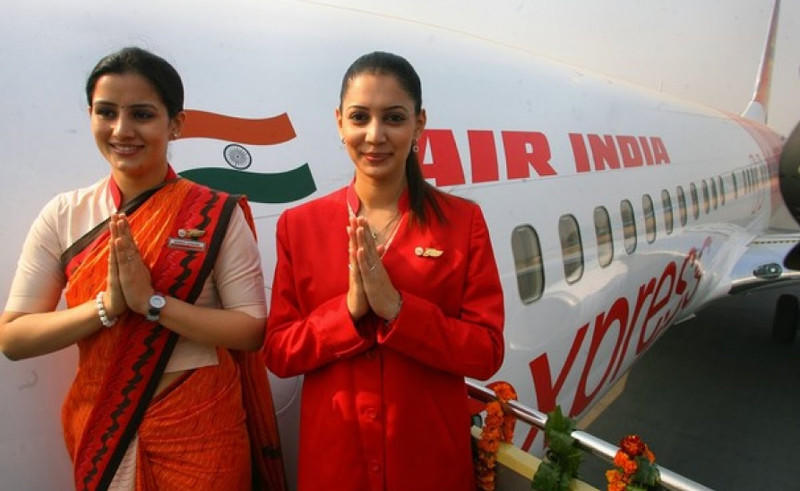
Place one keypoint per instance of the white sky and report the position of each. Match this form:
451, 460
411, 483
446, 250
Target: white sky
705, 51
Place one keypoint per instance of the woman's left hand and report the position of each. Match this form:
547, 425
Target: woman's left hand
134, 276
383, 297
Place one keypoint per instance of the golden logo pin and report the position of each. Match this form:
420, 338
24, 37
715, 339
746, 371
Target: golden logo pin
427, 251
190, 233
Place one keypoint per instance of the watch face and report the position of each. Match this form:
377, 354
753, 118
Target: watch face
157, 302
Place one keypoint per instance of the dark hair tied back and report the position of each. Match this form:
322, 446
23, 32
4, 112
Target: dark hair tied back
156, 70
420, 193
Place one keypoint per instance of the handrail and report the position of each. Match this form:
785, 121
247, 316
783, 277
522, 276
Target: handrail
586, 442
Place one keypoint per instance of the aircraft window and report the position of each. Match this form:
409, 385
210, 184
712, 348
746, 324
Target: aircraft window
706, 204
713, 193
571, 248
649, 218
765, 171
721, 190
628, 225
682, 205
746, 182
666, 203
735, 185
605, 243
528, 263
695, 204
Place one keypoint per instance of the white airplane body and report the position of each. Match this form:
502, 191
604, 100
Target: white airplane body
535, 143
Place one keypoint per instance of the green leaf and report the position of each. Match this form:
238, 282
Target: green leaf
560, 443
572, 461
646, 473
556, 421
562, 458
563, 482
546, 478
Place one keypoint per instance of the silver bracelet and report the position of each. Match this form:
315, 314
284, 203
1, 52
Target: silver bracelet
101, 311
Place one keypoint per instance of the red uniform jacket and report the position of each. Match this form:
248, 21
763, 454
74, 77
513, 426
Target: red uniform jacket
385, 407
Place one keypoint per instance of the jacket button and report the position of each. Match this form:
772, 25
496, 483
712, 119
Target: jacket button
371, 413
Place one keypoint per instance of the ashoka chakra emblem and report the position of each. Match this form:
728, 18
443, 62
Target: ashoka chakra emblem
237, 156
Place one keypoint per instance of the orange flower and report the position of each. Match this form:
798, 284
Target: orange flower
508, 428
617, 486
624, 462
613, 475
504, 391
649, 455
496, 427
489, 445
494, 415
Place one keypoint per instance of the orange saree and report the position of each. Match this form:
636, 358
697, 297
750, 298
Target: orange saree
215, 427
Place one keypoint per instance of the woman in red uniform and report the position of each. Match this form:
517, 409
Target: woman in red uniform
386, 295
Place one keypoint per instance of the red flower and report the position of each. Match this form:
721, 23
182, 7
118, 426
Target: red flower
632, 445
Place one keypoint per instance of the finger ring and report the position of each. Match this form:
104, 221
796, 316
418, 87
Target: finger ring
130, 257
372, 267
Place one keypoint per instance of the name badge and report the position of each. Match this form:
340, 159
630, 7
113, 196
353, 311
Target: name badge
186, 244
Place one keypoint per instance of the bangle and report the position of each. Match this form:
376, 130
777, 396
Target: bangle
101, 311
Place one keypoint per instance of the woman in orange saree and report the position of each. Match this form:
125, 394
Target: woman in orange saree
164, 299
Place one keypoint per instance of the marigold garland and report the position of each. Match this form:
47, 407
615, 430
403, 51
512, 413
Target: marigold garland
634, 467
497, 427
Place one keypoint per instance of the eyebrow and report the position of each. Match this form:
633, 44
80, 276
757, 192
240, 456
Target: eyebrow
139, 105
390, 108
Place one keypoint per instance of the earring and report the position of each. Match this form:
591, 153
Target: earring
342, 140
415, 147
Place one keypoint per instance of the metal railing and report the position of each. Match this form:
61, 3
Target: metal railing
585, 441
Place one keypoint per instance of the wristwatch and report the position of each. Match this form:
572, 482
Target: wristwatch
155, 304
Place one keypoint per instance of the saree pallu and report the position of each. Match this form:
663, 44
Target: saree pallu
119, 368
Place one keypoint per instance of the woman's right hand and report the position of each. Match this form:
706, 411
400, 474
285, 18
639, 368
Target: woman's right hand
113, 300
357, 303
